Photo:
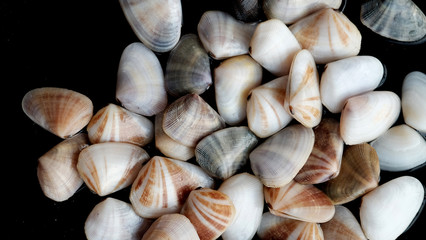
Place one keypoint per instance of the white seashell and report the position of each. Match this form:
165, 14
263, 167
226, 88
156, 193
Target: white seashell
348, 77
343, 225
387, 211
268, 49
413, 100
367, 116
171, 226
233, 80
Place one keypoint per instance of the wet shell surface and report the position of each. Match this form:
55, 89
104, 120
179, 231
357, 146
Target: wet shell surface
171, 226
343, 225
413, 99
60, 111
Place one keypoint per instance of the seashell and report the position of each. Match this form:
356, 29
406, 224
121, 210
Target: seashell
278, 159
224, 152
413, 99
348, 77
302, 99
113, 219
359, 174
113, 123
233, 80
223, 36
388, 210
267, 48
156, 23
400, 148
111, 166
343, 225
190, 118
60, 111
163, 185
188, 68
171, 226
367, 116
300, 202
266, 114
246, 10
399, 20
210, 211
140, 81
290, 11
246, 193
324, 162
57, 171
328, 34
275, 228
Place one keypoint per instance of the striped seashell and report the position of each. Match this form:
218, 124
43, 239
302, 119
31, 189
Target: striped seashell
171, 226
343, 225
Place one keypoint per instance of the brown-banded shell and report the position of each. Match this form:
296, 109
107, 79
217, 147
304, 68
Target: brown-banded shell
163, 185
111, 166
60, 111
413, 99
157, 23
247, 10
171, 226
343, 225
210, 211
57, 169
113, 123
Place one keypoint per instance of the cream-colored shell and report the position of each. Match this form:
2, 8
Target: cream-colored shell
343, 225
413, 100
171, 226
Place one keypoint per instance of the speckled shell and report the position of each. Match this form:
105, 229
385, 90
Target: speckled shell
171, 226
343, 225
247, 10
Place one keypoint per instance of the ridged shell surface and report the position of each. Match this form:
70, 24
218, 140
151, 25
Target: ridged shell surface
171, 226
413, 99
343, 225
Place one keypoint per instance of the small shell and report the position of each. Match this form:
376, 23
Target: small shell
60, 111
140, 81
111, 166
157, 23
116, 124
343, 225
171, 226
267, 48
328, 34
113, 219
413, 99
57, 169
247, 10
233, 80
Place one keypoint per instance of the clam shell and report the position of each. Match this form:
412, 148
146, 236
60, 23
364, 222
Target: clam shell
348, 77
113, 123
157, 23
328, 34
388, 210
267, 48
60, 111
399, 20
188, 68
163, 185
300, 202
140, 81
113, 219
343, 225
359, 174
413, 99
57, 169
233, 80
224, 152
247, 10
266, 114
171, 226
111, 166
278, 159
210, 211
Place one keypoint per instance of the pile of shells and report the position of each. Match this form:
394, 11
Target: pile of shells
263, 158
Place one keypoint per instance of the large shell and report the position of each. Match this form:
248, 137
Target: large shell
113, 219
157, 23
399, 20
57, 169
110, 166
343, 225
277, 160
266, 114
113, 123
389, 209
140, 81
188, 68
163, 185
210, 211
300, 202
171, 226
267, 48
328, 34
413, 99
247, 10
233, 80
367, 116
60, 111
302, 98
348, 77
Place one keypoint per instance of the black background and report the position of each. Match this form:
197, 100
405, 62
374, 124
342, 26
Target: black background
77, 45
